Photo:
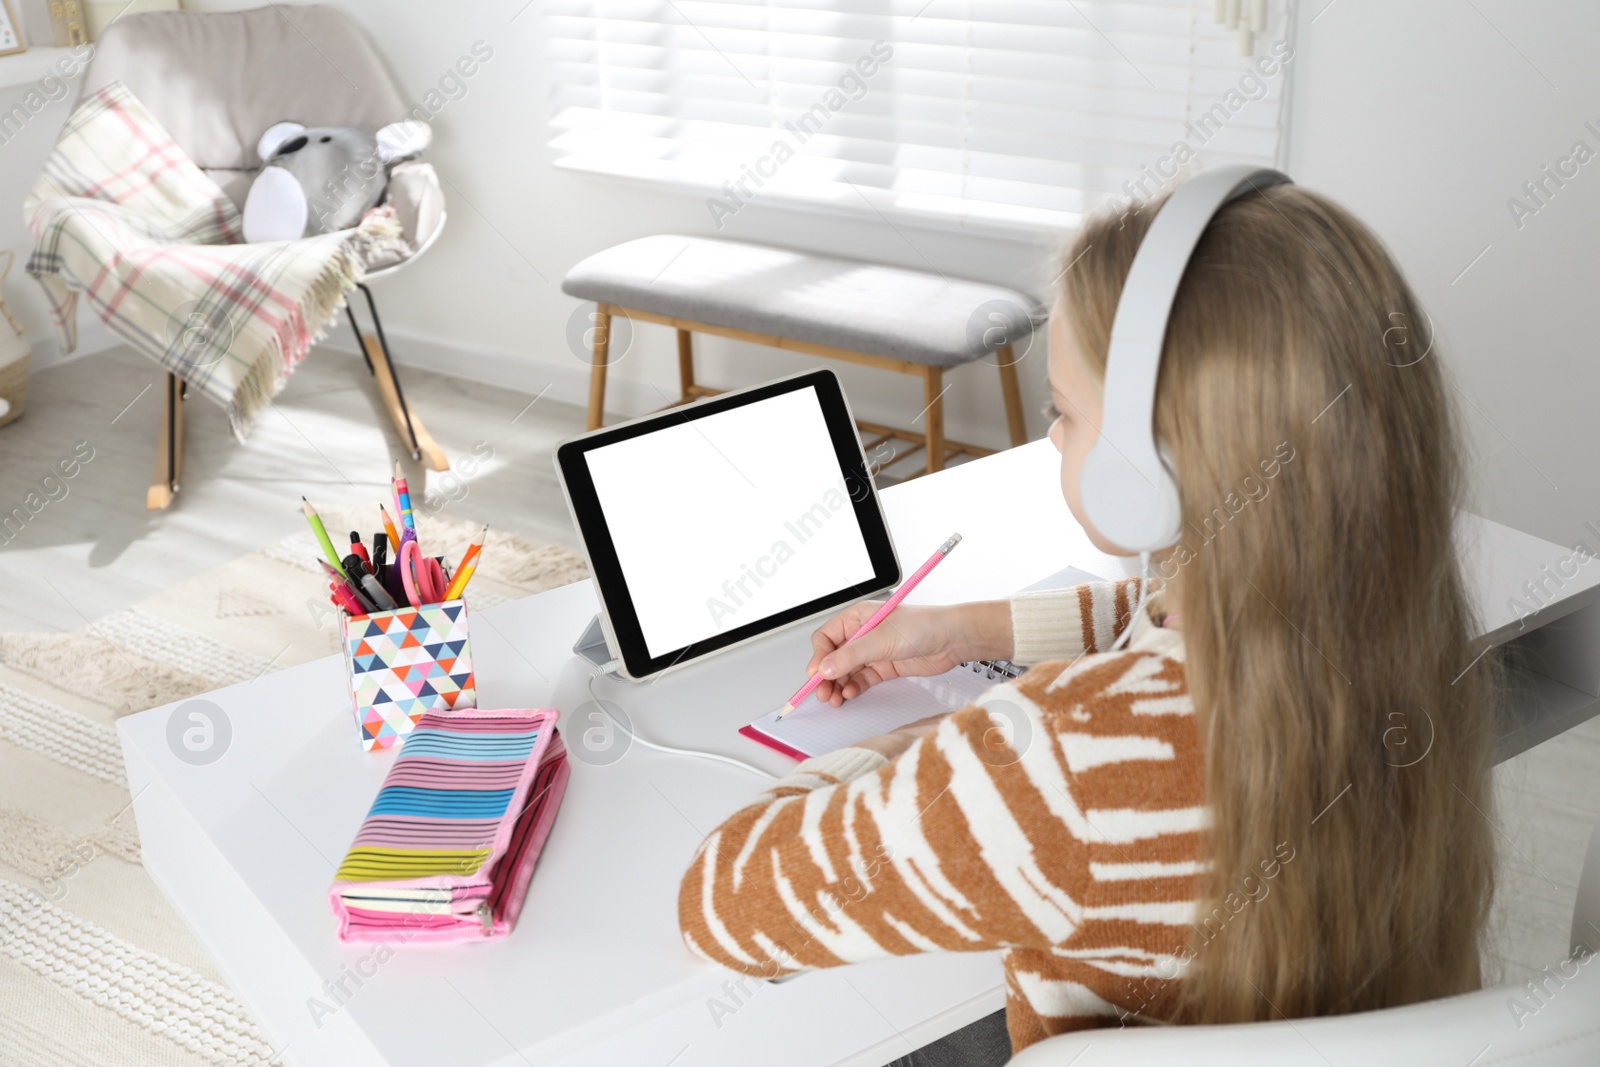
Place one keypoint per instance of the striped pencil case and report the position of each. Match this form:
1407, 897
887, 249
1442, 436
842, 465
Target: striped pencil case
448, 848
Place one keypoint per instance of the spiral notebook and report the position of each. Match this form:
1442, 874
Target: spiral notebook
814, 727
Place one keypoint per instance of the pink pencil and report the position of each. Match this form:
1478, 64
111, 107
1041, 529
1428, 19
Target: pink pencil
878, 616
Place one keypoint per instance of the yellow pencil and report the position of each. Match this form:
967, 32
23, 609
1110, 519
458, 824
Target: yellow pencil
467, 565
388, 526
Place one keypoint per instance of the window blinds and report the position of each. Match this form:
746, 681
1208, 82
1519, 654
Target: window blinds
982, 113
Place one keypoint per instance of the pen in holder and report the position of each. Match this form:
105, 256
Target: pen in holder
405, 663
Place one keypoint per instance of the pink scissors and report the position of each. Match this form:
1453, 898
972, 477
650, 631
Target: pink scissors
421, 576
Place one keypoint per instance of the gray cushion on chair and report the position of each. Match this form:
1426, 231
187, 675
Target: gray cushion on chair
902, 314
217, 80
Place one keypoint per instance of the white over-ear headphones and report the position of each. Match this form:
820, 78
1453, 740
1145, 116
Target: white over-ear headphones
1127, 487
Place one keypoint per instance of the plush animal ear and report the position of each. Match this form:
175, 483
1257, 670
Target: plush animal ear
406, 139
276, 135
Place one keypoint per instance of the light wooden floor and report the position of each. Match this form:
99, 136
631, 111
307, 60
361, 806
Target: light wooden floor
96, 549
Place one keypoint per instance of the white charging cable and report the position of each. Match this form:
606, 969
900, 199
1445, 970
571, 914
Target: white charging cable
627, 728
1138, 612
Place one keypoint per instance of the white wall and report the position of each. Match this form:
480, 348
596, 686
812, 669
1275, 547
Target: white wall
1423, 117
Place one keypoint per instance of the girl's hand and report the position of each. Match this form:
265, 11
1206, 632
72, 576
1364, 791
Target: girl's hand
914, 641
891, 744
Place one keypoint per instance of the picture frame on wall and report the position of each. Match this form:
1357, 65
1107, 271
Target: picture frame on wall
10, 31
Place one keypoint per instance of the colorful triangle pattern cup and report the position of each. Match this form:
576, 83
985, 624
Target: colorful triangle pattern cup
405, 663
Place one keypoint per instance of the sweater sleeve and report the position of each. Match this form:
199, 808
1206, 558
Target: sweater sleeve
853, 857
1066, 623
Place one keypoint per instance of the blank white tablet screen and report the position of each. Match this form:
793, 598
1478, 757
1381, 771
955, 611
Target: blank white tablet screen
724, 520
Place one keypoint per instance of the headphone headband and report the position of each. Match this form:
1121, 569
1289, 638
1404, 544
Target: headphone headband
1127, 487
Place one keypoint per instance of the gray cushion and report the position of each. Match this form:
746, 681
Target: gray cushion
418, 205
216, 81
863, 307
417, 199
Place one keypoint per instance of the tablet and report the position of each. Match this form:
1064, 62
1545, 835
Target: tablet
711, 524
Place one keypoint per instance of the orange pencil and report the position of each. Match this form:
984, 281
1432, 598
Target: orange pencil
388, 527
467, 565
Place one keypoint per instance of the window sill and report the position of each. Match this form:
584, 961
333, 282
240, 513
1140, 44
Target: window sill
1031, 233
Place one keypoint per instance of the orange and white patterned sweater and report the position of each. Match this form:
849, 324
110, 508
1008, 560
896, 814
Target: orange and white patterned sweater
1061, 819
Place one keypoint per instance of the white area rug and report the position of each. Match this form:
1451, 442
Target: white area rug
95, 967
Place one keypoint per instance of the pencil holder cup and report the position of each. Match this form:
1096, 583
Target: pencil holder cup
405, 663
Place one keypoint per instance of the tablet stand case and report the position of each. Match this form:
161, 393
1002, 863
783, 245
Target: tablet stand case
592, 644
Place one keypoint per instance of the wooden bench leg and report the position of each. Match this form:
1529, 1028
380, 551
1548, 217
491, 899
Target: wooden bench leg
1012, 395
597, 372
169, 449
933, 416
686, 364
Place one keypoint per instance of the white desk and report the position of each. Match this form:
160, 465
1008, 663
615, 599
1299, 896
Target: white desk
245, 847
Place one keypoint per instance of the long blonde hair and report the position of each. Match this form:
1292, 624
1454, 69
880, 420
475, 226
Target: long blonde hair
1329, 641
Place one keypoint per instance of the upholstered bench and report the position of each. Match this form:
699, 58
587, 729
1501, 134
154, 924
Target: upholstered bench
909, 321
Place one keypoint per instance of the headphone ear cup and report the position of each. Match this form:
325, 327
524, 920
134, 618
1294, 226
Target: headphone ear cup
1129, 494
1125, 506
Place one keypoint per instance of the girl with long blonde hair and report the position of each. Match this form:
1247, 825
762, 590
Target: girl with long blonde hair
1274, 800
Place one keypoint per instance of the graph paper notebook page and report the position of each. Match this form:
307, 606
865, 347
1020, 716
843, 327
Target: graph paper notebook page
814, 727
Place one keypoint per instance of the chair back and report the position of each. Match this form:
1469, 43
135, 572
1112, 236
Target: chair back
216, 81
1553, 1020
1556, 1023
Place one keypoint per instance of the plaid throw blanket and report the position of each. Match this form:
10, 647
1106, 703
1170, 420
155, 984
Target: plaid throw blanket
123, 216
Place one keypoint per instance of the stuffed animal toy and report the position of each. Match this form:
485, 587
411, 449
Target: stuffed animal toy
318, 179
